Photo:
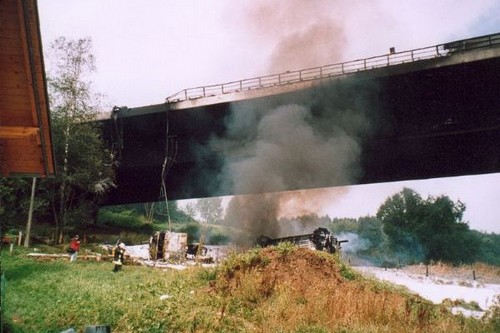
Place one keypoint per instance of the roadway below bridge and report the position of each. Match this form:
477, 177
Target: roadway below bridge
363, 122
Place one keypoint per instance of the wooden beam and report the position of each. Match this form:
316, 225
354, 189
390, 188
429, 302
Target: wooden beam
17, 132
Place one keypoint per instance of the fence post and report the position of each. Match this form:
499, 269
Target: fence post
2, 300
30, 214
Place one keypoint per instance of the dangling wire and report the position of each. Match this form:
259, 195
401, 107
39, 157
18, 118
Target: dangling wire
116, 134
167, 164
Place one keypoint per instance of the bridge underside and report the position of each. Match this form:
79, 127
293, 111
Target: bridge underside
437, 122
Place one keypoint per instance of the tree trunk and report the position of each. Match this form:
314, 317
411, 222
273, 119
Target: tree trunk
62, 214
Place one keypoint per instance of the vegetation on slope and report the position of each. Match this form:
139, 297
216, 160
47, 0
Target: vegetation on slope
279, 289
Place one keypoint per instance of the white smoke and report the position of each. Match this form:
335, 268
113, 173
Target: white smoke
354, 244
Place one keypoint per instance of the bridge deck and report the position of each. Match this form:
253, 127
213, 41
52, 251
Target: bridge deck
426, 118
447, 54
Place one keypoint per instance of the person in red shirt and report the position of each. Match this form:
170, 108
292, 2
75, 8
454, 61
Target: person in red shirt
74, 247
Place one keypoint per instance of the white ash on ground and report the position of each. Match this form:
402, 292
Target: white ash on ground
437, 289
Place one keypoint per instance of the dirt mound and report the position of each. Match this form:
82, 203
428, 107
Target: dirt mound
279, 290
300, 270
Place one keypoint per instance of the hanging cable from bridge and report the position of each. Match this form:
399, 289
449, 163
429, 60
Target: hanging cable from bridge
167, 164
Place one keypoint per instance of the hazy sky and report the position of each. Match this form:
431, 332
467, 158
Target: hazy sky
147, 50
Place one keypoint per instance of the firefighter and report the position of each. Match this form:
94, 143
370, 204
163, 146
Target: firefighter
118, 257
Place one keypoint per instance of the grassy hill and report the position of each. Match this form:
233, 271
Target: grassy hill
278, 289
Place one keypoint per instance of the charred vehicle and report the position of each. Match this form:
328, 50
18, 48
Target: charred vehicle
320, 239
167, 245
198, 252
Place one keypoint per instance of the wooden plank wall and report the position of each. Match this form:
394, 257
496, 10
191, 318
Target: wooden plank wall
25, 136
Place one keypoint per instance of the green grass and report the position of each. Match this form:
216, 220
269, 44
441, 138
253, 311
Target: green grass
51, 296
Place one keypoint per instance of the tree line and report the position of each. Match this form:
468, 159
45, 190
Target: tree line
406, 229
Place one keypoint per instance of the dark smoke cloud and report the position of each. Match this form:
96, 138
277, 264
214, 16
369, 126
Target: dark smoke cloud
276, 148
253, 216
289, 153
305, 140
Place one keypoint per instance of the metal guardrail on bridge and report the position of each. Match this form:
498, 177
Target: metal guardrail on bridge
323, 72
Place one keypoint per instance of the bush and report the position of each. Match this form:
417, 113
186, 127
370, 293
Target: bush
218, 238
123, 219
191, 229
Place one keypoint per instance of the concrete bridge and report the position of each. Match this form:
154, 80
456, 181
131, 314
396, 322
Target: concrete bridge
423, 113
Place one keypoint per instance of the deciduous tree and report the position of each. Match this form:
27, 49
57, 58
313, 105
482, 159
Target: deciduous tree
431, 229
84, 166
210, 209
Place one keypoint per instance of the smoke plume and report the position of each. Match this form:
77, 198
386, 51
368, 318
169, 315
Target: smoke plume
355, 243
305, 140
302, 34
280, 149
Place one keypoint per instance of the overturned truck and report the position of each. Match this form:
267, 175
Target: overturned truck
320, 239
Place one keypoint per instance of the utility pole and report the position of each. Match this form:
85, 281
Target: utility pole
30, 214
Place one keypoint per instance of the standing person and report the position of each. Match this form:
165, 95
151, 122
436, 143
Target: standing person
118, 257
74, 247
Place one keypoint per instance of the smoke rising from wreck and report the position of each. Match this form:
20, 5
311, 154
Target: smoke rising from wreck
289, 153
279, 148
284, 144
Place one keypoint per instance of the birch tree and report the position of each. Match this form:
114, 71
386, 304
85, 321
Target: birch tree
84, 166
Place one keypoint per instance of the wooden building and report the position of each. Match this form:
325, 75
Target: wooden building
25, 134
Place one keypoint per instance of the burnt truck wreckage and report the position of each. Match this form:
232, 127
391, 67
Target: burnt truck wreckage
166, 245
173, 247
320, 239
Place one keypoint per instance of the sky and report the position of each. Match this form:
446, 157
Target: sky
148, 50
